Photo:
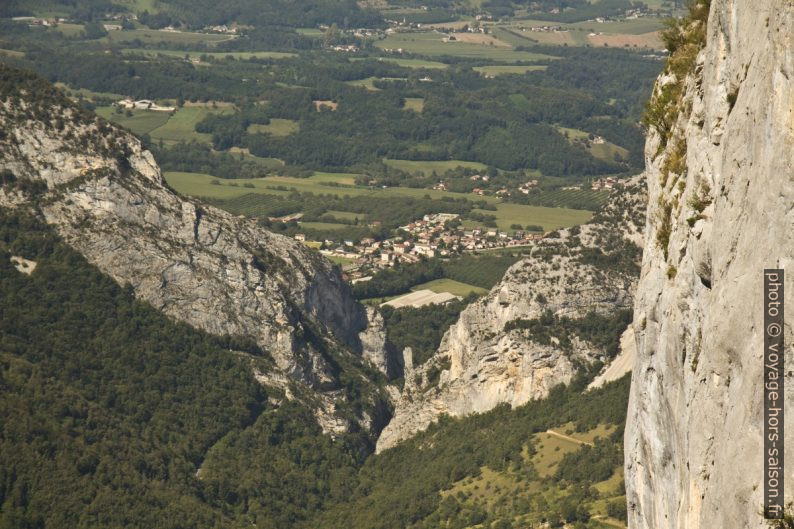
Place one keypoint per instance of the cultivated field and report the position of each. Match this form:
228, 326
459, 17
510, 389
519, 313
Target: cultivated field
480, 38
501, 69
641, 33
141, 121
432, 44
161, 125
200, 185
182, 126
550, 218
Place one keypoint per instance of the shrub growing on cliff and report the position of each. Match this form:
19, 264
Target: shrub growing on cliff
683, 38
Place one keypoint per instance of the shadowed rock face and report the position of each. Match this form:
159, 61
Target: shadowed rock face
105, 196
694, 438
483, 362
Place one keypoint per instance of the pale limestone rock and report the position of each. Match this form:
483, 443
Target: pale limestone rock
694, 446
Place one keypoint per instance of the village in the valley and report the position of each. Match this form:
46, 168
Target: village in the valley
438, 235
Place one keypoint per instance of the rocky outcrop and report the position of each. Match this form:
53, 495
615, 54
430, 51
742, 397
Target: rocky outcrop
494, 355
223, 274
720, 211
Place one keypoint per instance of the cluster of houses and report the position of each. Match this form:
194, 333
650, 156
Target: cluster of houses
144, 104
528, 186
546, 29
604, 183
349, 48
37, 21
222, 28
432, 236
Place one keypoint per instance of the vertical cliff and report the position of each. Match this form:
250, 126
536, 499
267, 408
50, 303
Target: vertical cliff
720, 173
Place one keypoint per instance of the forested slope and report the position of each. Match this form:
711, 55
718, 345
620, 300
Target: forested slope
110, 409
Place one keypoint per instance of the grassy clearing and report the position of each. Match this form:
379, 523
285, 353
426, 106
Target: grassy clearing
416, 63
141, 121
417, 104
450, 285
604, 151
342, 179
514, 37
432, 44
341, 261
70, 30
501, 69
549, 451
480, 38
269, 163
573, 134
347, 215
367, 83
161, 125
240, 55
607, 151
311, 32
182, 126
88, 94
276, 127
427, 167
611, 485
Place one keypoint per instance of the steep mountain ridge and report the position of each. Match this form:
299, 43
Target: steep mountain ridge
720, 155
106, 197
537, 328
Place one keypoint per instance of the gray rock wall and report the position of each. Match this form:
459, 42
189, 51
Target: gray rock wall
694, 434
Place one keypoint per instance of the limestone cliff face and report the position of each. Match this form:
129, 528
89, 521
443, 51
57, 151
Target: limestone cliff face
720, 211
485, 359
106, 197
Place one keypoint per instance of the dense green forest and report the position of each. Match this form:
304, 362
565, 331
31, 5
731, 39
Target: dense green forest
110, 410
